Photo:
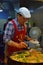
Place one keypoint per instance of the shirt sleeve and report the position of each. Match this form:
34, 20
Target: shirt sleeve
9, 31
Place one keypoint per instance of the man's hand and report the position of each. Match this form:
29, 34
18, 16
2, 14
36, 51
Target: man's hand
17, 45
23, 45
28, 38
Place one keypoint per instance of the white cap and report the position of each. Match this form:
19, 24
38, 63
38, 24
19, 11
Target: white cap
24, 12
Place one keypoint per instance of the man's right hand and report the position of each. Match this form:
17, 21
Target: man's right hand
18, 45
23, 45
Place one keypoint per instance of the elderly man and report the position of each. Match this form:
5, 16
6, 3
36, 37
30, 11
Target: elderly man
15, 32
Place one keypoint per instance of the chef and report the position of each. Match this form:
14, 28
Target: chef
15, 32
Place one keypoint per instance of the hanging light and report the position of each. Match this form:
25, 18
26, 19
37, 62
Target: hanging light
1, 10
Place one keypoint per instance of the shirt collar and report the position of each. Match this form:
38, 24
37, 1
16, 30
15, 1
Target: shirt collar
17, 23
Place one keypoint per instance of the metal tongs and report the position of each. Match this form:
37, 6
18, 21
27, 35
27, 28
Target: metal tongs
28, 48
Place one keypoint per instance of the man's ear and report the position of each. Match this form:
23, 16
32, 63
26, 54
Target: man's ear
25, 25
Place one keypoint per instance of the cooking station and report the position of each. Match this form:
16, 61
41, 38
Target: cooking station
33, 55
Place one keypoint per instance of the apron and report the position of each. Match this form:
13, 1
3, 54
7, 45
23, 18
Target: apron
18, 35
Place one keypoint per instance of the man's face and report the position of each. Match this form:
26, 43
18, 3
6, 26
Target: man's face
22, 20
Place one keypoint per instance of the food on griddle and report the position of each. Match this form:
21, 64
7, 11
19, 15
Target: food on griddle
27, 56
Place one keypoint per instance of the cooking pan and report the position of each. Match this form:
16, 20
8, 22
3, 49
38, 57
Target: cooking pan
14, 62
